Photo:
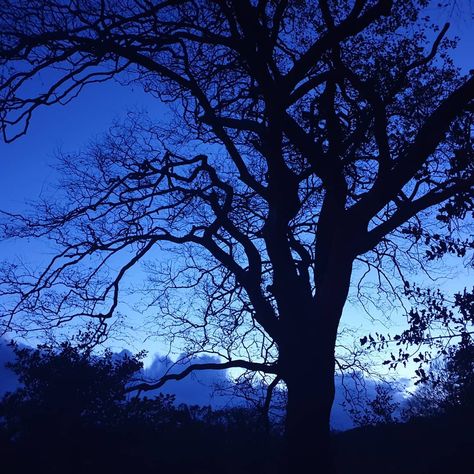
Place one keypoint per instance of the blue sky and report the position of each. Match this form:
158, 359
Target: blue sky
25, 165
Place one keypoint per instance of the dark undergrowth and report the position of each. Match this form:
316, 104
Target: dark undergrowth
227, 443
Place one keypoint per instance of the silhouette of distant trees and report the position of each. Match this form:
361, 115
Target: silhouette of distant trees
68, 384
440, 340
314, 145
448, 388
430, 429
73, 413
59, 420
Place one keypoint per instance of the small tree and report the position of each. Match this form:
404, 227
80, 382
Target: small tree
376, 410
448, 387
309, 138
62, 389
73, 412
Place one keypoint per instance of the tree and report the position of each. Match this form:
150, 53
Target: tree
379, 409
64, 390
309, 138
447, 386
77, 402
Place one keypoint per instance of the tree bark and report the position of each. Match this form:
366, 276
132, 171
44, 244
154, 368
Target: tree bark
308, 443
308, 367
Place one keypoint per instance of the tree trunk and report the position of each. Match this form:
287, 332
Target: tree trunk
308, 367
310, 396
309, 447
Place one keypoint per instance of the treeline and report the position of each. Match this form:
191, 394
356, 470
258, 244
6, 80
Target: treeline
73, 413
431, 434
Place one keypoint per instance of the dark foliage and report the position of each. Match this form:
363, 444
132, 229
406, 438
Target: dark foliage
381, 409
437, 435
73, 415
448, 388
424, 446
440, 330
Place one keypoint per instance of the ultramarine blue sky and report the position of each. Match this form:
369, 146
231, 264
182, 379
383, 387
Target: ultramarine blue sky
24, 165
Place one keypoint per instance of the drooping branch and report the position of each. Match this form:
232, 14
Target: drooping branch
233, 364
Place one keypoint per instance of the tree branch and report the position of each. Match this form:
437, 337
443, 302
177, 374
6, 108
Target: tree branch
388, 185
241, 364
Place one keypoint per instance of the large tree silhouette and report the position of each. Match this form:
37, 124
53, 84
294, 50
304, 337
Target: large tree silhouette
307, 136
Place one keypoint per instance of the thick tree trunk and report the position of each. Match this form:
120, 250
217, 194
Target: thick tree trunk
308, 366
308, 440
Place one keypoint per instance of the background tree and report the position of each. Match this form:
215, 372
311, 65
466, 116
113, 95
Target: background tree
73, 412
68, 382
447, 387
440, 329
379, 409
309, 138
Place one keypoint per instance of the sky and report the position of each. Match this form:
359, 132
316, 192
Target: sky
25, 165
24, 170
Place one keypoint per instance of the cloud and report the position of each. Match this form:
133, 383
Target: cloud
198, 388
